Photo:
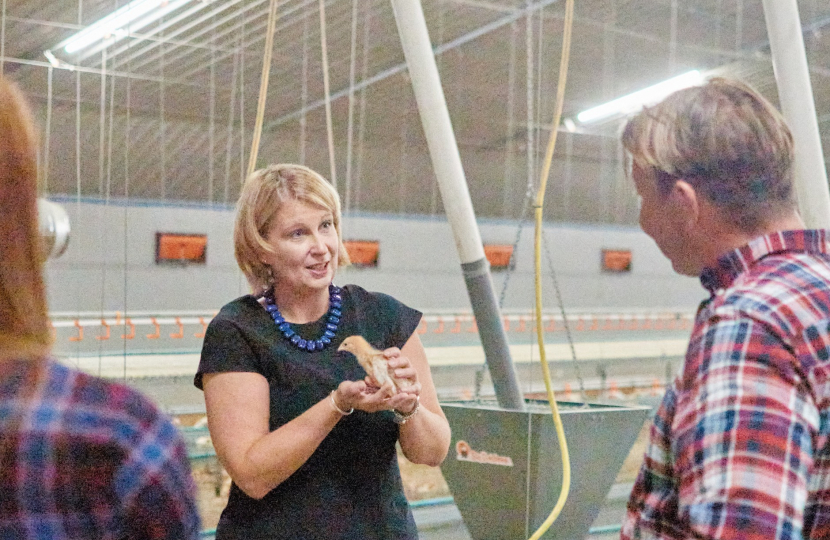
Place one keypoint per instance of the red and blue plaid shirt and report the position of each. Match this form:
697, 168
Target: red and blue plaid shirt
740, 445
83, 458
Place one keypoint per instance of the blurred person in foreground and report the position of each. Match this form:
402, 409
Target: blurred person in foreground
80, 458
308, 441
739, 445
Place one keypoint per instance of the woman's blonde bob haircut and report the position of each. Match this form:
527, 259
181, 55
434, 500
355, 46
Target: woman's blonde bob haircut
24, 321
262, 197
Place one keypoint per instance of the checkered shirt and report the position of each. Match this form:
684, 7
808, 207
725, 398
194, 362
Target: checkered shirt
83, 458
739, 447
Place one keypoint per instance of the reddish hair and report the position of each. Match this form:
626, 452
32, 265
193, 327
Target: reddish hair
24, 321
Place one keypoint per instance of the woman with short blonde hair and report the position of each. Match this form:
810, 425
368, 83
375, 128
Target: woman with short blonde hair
263, 194
307, 436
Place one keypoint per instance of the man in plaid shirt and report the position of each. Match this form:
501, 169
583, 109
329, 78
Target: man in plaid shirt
739, 446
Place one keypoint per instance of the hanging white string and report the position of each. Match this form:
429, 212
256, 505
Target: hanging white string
530, 155
78, 137
3, 40
126, 213
163, 126
263, 86
540, 73
78, 148
530, 145
212, 115
110, 135
242, 165
47, 138
361, 126
102, 122
304, 91
77, 117
229, 136
102, 238
127, 141
511, 124
350, 123
325, 59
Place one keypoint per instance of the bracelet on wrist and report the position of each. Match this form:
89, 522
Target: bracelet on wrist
402, 418
338, 409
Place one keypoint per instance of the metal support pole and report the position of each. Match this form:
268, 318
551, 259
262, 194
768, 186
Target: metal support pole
446, 161
795, 93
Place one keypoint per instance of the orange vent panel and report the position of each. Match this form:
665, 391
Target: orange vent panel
616, 260
363, 252
181, 248
498, 254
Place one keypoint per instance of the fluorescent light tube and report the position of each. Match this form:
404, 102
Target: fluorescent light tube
647, 96
52, 60
120, 23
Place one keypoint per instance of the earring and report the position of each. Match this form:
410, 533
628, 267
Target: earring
269, 279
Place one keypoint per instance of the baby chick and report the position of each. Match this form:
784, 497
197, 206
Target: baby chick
373, 361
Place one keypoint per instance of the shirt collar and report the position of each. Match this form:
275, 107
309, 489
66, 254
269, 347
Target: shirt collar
734, 263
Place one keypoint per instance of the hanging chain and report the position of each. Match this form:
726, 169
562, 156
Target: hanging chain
568, 334
479, 375
511, 265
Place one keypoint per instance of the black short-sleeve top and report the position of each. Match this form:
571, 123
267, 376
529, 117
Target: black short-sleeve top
350, 487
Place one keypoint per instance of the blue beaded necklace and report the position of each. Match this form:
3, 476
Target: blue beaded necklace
310, 345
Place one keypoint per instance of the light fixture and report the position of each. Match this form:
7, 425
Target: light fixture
52, 60
646, 96
120, 23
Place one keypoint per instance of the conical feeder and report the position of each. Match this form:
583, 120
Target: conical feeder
505, 467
